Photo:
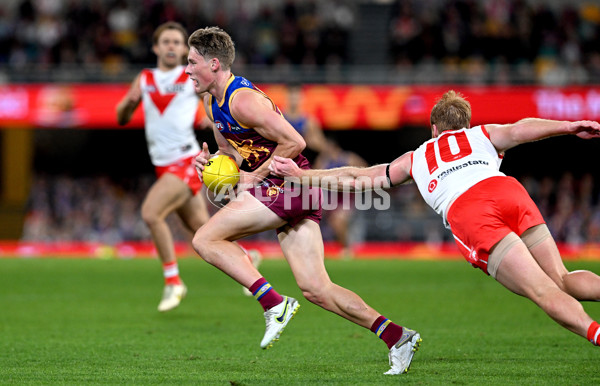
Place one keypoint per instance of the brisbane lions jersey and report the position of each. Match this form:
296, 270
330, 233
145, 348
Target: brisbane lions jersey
254, 148
447, 166
170, 107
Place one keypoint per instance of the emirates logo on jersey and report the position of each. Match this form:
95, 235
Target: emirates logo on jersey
432, 185
175, 88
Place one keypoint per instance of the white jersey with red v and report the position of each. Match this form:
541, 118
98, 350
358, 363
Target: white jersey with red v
170, 107
445, 167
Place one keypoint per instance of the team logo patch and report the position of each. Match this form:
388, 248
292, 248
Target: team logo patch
274, 190
219, 125
432, 185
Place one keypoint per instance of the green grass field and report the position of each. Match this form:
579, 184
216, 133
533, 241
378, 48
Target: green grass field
89, 321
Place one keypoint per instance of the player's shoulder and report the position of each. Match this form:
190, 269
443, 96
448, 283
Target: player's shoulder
147, 71
243, 82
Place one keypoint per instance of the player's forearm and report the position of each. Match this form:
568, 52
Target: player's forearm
287, 149
534, 129
283, 151
125, 111
347, 178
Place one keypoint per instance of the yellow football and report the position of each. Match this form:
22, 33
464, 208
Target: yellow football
220, 173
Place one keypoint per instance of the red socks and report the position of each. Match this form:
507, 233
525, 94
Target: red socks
593, 333
387, 331
171, 273
265, 294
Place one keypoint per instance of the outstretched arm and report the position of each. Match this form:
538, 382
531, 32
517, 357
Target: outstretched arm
505, 137
348, 178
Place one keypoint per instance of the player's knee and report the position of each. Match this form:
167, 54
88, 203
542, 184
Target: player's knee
560, 282
545, 295
559, 279
149, 216
199, 243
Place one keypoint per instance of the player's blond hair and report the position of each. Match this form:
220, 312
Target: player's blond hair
451, 112
213, 42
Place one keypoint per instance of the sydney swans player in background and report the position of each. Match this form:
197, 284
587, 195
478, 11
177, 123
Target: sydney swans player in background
251, 129
496, 225
170, 106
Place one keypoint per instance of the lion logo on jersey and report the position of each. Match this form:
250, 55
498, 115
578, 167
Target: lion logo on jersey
248, 151
275, 190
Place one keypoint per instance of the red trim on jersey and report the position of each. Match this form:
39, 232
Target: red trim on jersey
161, 101
485, 132
411, 164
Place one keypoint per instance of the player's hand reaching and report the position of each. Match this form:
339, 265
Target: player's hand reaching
284, 167
201, 160
586, 129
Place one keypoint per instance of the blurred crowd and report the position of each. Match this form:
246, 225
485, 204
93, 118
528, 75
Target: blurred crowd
110, 32
99, 209
557, 38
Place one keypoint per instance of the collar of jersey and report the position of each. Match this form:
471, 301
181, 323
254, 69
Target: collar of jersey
231, 79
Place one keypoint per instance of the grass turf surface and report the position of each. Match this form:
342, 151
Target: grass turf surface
82, 321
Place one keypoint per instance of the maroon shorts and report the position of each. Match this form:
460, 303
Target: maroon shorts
291, 202
487, 212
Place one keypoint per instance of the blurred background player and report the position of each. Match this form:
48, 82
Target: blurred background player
324, 153
170, 107
250, 128
308, 127
342, 205
496, 225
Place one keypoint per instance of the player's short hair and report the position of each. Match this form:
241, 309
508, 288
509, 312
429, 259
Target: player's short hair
451, 112
213, 42
167, 26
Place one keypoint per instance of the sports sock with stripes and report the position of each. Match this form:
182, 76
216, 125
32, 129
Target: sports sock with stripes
265, 294
387, 331
171, 273
593, 333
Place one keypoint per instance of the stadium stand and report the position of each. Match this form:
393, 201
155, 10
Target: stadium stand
497, 42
